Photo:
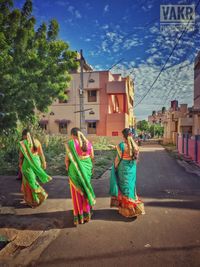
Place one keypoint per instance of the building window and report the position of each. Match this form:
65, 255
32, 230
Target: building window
92, 127
116, 104
91, 80
43, 124
63, 101
92, 96
63, 128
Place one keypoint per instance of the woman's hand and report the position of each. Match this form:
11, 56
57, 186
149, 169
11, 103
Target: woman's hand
44, 165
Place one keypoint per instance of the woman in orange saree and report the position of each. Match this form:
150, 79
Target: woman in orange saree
32, 165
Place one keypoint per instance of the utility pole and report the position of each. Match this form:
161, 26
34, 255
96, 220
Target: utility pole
81, 94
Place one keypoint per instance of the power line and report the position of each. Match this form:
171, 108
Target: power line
173, 49
116, 64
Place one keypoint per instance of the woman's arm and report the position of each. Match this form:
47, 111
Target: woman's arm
41, 155
21, 158
67, 162
92, 158
92, 154
116, 162
118, 156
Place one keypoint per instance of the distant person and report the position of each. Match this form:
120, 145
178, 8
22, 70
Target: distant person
123, 178
32, 164
79, 164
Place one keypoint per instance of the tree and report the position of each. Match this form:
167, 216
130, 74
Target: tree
153, 113
163, 110
143, 125
34, 65
156, 130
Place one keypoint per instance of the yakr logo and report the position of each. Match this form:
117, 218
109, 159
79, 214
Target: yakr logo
177, 13
177, 17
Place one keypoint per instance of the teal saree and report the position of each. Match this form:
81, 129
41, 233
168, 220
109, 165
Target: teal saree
123, 187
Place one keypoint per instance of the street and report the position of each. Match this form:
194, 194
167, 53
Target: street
168, 235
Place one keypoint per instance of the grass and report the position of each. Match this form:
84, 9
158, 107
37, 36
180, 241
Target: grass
103, 161
55, 156
54, 150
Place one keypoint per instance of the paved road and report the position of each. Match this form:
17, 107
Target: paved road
168, 235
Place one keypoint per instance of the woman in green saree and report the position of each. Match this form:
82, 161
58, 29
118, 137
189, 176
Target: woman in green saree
32, 164
123, 178
79, 165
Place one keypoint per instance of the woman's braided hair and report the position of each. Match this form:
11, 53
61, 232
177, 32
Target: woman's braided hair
129, 137
83, 142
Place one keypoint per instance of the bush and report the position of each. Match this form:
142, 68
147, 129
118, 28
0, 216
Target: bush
54, 151
9, 152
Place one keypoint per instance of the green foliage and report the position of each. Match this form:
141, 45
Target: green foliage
163, 110
156, 130
34, 65
54, 151
103, 161
9, 152
143, 126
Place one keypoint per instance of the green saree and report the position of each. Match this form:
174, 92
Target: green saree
31, 169
80, 172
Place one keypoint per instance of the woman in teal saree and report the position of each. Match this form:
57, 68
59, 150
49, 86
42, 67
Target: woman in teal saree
79, 165
32, 164
123, 178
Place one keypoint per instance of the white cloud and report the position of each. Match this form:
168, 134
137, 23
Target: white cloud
71, 9
62, 3
106, 9
175, 82
129, 43
87, 40
77, 14
105, 27
74, 12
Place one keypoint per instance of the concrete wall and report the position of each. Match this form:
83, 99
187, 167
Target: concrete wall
189, 146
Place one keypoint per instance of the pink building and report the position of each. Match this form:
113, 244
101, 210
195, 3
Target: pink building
158, 117
196, 107
108, 105
197, 82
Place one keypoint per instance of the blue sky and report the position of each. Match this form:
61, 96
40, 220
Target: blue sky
129, 30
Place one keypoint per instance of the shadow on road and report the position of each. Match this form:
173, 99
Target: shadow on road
38, 221
55, 220
190, 204
110, 215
